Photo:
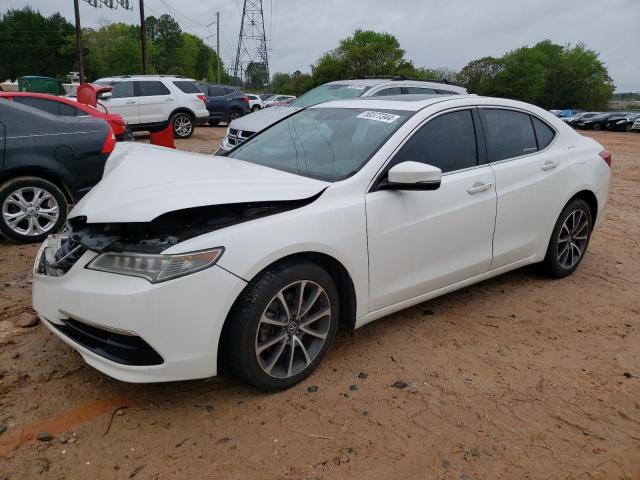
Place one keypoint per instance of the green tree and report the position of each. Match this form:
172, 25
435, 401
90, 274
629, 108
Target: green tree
479, 76
167, 43
31, 44
365, 53
113, 49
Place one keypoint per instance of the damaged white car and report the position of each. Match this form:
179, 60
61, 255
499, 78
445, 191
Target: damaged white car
177, 264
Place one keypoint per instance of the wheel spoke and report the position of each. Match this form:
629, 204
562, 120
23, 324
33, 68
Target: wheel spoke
273, 321
315, 317
311, 301
272, 342
564, 254
313, 333
299, 299
292, 346
283, 302
297, 340
275, 356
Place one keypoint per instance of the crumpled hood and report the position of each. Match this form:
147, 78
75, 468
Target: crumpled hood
261, 119
141, 182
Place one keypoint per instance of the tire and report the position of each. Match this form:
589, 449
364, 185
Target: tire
33, 224
183, 125
247, 332
214, 123
596, 127
255, 108
233, 114
556, 263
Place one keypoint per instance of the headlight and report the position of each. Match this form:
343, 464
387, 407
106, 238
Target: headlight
155, 268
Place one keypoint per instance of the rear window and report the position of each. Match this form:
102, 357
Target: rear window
186, 86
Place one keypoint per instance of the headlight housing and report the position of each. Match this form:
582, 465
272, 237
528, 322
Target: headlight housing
155, 268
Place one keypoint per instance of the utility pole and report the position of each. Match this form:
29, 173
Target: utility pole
218, 44
143, 38
76, 6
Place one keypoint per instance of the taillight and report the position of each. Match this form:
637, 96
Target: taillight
606, 156
245, 100
109, 143
203, 98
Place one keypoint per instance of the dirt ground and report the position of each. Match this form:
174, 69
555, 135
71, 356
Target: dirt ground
519, 377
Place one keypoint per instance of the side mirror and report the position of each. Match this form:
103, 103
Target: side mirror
105, 95
412, 176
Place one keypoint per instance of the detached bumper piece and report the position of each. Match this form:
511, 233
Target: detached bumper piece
117, 347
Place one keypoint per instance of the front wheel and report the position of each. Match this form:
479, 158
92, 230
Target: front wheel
32, 208
569, 239
255, 108
282, 325
596, 126
183, 125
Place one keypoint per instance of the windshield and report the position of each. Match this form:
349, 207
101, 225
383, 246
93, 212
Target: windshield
326, 93
323, 143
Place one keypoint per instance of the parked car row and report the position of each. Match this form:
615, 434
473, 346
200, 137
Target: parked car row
614, 121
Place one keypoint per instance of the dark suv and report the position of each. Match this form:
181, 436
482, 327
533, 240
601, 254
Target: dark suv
224, 103
46, 162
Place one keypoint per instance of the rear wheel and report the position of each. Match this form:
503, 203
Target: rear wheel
183, 125
569, 239
596, 126
255, 108
233, 114
282, 325
32, 208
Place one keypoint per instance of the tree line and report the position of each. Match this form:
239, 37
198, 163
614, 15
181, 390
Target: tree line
545, 74
32, 44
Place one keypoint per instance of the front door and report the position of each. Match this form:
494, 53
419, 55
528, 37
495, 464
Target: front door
421, 241
124, 102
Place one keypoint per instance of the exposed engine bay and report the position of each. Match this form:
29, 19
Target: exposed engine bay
152, 237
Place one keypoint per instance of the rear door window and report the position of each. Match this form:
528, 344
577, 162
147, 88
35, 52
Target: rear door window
447, 142
186, 86
446, 92
150, 88
215, 91
122, 90
508, 133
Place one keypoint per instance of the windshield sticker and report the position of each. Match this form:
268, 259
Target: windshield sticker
356, 87
379, 116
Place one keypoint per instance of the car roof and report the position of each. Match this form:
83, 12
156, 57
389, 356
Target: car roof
409, 103
370, 82
143, 77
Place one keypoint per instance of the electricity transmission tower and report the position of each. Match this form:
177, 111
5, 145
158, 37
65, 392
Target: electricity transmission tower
252, 61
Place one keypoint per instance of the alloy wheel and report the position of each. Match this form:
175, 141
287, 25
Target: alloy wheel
233, 116
182, 125
572, 239
30, 211
293, 329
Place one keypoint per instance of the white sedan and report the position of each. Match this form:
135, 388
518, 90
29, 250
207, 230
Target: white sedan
177, 263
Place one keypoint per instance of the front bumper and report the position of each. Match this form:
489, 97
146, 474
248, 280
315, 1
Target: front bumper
179, 320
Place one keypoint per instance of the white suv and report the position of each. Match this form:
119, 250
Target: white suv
242, 128
150, 102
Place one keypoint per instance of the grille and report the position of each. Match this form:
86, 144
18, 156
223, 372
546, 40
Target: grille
236, 137
117, 347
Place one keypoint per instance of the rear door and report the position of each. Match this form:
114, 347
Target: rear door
421, 241
530, 181
124, 102
156, 101
216, 101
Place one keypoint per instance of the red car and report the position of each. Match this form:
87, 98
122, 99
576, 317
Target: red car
67, 107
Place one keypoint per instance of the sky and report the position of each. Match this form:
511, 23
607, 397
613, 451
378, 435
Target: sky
434, 33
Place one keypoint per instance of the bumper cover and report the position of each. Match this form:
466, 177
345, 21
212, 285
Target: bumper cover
180, 320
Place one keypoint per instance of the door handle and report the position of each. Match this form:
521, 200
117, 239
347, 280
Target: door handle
130, 102
169, 99
478, 187
549, 165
